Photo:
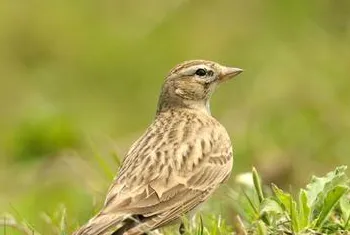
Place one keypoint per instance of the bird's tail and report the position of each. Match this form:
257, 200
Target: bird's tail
101, 224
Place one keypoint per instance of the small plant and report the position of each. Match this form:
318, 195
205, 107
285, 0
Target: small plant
323, 207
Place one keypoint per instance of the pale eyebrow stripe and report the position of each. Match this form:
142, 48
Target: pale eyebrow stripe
187, 65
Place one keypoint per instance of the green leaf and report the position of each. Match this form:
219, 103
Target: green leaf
255, 209
294, 215
319, 187
344, 204
330, 201
283, 198
290, 206
257, 185
262, 230
270, 206
304, 210
270, 211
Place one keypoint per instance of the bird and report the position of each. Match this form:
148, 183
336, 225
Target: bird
179, 161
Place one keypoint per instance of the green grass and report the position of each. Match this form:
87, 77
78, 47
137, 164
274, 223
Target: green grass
322, 207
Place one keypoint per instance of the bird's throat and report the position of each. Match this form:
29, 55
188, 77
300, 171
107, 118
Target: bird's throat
198, 105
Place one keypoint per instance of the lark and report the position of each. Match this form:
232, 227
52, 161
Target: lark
180, 160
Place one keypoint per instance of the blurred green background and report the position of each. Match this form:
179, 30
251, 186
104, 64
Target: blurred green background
79, 81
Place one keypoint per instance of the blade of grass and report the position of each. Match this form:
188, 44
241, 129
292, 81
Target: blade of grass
255, 209
200, 228
257, 185
63, 221
24, 222
101, 162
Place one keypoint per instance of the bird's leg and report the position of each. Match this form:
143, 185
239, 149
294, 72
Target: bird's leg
182, 229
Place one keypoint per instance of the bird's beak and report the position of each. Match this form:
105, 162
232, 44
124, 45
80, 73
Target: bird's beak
228, 72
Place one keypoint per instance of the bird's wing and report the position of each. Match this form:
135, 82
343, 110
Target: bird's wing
168, 166
173, 214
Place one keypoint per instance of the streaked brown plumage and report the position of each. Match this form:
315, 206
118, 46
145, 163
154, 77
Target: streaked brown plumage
183, 156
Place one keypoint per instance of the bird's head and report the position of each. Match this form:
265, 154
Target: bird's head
191, 84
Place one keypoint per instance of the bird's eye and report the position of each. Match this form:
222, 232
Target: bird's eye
201, 72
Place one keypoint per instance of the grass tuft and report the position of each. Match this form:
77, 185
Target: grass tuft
323, 207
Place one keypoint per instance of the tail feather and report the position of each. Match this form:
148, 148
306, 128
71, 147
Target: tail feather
101, 224
130, 224
141, 227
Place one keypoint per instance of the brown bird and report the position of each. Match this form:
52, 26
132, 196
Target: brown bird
183, 156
